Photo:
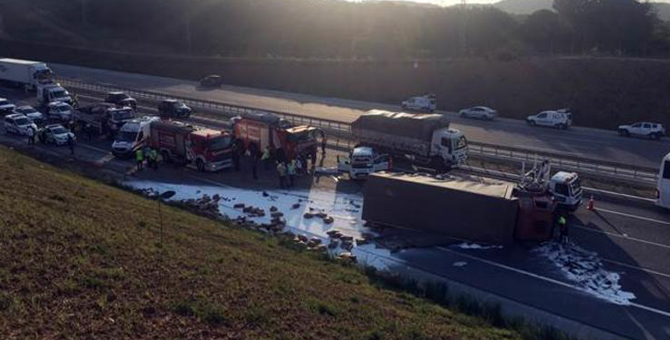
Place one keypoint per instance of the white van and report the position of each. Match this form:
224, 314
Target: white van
558, 119
133, 135
425, 103
362, 161
663, 184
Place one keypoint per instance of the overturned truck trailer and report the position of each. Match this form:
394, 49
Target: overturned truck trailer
487, 212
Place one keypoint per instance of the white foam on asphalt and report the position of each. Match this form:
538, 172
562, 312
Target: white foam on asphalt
586, 270
475, 246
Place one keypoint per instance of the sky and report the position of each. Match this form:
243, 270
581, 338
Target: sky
454, 2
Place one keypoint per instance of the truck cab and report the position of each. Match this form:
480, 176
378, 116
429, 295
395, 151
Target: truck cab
120, 99
449, 146
133, 135
566, 189
117, 117
362, 161
47, 93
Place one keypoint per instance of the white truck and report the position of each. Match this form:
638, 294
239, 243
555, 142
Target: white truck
48, 93
133, 135
24, 73
362, 161
425, 140
565, 187
425, 103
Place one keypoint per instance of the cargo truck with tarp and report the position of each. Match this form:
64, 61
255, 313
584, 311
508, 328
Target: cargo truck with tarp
425, 139
480, 210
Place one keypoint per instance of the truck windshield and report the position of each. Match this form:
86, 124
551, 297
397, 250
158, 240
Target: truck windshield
60, 94
126, 136
123, 114
218, 143
576, 187
461, 143
307, 136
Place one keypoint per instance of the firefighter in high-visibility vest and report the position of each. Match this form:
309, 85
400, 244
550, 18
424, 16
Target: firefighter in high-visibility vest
563, 230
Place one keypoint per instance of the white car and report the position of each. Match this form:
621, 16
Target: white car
60, 110
30, 112
643, 129
479, 112
55, 134
426, 103
5, 106
557, 119
19, 124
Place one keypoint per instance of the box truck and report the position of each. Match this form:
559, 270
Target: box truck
24, 73
480, 210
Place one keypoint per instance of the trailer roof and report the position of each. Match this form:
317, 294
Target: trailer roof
493, 189
19, 61
208, 132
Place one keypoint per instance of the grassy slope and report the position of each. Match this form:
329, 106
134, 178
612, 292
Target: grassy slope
78, 258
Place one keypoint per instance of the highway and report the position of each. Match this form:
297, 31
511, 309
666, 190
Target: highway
630, 240
578, 141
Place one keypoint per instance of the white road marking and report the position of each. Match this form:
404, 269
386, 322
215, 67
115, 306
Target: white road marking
637, 268
550, 280
633, 216
666, 246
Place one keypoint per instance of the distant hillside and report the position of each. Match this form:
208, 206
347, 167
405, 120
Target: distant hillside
530, 6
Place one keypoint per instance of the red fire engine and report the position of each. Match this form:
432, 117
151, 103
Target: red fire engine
258, 130
205, 149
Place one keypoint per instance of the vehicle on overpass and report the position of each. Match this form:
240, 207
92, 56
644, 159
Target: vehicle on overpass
643, 129
24, 73
479, 112
425, 103
55, 134
426, 140
559, 119
18, 124
362, 161
121, 99
133, 135
59, 110
30, 112
202, 148
49, 93
259, 130
212, 80
6, 106
480, 210
172, 108
663, 184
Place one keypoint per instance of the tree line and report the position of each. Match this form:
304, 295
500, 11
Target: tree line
345, 30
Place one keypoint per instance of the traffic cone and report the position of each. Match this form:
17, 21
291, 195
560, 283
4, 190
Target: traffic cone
390, 168
591, 203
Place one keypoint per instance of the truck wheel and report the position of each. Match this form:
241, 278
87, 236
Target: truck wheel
531, 122
200, 164
437, 163
166, 156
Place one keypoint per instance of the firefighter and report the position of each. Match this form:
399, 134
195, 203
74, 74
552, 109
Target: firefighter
153, 158
291, 169
139, 155
265, 158
281, 171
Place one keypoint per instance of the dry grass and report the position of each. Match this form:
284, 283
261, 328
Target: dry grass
81, 260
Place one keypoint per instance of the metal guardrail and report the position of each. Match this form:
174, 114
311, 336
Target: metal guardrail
341, 136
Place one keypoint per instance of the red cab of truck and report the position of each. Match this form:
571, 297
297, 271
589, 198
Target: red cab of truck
258, 130
203, 148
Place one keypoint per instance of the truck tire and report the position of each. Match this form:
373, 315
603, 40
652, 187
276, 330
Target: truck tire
531, 122
623, 132
166, 156
200, 165
437, 163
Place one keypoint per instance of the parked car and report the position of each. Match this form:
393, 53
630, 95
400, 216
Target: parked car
30, 112
59, 110
171, 108
643, 129
55, 134
211, 80
18, 124
557, 119
6, 107
479, 112
121, 99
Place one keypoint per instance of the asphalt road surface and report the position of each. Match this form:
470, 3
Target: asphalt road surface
577, 141
630, 240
